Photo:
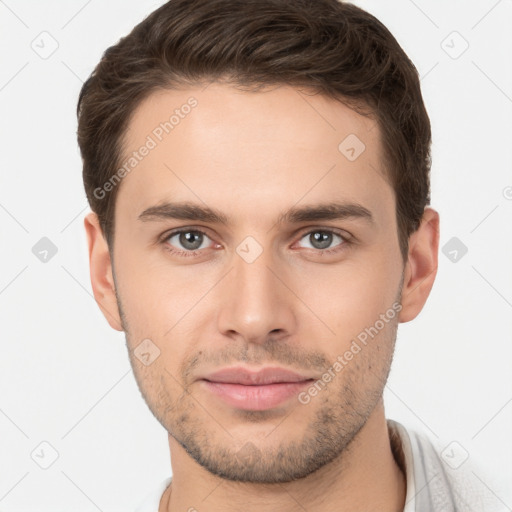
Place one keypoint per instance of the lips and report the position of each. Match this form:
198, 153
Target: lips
241, 388
268, 375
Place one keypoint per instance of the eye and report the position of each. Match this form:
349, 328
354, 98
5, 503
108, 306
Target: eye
322, 239
186, 242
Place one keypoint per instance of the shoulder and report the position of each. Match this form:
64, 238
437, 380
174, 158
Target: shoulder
445, 478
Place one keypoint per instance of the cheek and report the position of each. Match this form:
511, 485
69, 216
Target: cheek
350, 297
163, 305
154, 294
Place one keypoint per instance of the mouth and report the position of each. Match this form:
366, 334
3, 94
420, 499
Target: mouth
257, 391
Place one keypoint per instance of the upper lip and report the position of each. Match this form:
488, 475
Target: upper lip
267, 375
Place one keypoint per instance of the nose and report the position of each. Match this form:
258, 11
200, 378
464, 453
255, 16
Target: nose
255, 302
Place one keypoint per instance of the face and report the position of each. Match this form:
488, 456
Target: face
300, 269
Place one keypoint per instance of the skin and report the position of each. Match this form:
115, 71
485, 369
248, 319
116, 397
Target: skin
253, 155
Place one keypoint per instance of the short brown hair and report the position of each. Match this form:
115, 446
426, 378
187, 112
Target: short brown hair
328, 46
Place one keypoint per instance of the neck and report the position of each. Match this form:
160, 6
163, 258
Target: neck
364, 477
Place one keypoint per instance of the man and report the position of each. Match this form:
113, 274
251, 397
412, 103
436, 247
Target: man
258, 174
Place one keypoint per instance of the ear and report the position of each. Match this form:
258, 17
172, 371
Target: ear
421, 267
100, 265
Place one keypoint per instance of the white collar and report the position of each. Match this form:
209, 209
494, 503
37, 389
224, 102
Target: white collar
408, 462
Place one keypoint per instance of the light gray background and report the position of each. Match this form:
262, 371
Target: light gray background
65, 377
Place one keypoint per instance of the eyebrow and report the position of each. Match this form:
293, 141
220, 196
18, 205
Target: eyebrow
296, 214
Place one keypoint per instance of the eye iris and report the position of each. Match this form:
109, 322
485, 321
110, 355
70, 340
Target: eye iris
320, 239
186, 240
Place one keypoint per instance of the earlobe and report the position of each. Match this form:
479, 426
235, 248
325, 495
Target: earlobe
421, 267
100, 265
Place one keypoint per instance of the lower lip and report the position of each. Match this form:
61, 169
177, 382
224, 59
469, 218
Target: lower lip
255, 398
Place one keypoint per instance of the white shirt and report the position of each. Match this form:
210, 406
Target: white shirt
438, 477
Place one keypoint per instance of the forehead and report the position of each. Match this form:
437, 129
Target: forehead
236, 151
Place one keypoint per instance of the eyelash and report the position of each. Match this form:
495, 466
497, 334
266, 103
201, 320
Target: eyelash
347, 241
